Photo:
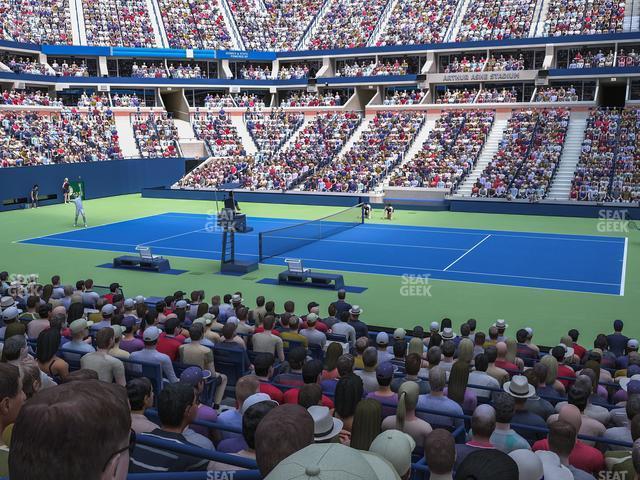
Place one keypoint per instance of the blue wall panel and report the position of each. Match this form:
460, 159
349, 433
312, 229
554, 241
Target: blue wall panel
102, 179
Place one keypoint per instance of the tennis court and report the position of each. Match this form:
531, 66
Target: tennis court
580, 263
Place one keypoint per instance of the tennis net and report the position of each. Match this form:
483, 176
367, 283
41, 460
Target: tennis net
280, 240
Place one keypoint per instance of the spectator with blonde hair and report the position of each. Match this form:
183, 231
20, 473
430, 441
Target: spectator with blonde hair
405, 418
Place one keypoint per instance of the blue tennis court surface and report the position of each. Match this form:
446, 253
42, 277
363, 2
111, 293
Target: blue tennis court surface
579, 263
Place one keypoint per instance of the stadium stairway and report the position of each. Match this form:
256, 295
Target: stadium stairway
78, 32
456, 22
382, 23
416, 146
539, 15
126, 136
285, 146
159, 32
632, 15
355, 137
561, 183
249, 146
490, 148
191, 146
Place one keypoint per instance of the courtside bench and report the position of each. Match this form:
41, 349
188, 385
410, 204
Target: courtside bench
315, 279
145, 261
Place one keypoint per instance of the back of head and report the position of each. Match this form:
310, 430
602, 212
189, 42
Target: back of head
434, 355
137, 390
104, 337
483, 421
349, 391
48, 344
504, 405
541, 372
465, 351
492, 353
282, 432
633, 406
437, 379
448, 349
458, 380
571, 415
479, 339
493, 332
367, 422
196, 332
399, 349
487, 464
345, 364
521, 335
14, 348
562, 438
481, 362
310, 394
52, 414
412, 364
229, 330
170, 325
245, 387
440, 451
173, 402
408, 394
311, 371
251, 418
370, 357
361, 345
416, 346
552, 368
578, 396
262, 363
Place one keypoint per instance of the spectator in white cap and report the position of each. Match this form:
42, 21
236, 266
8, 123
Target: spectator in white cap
129, 308
622, 362
150, 354
501, 325
9, 316
311, 333
79, 332
552, 466
360, 327
382, 341
107, 312
399, 335
325, 427
529, 465
396, 447
140, 299
331, 461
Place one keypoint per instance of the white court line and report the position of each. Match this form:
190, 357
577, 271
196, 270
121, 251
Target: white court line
465, 253
370, 243
532, 278
623, 276
174, 236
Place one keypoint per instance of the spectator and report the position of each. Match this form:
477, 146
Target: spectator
245, 387
413, 363
341, 305
326, 428
311, 373
617, 341
500, 374
150, 354
480, 377
562, 439
405, 418
267, 342
130, 343
79, 331
282, 432
116, 351
529, 465
624, 434
344, 327
109, 369
140, 393
483, 425
12, 396
396, 447
263, 364
368, 374
536, 404
290, 333
76, 456
383, 394
504, 438
310, 395
620, 460
520, 390
177, 409
457, 389
313, 336
382, 342
46, 354
440, 453
366, 424
296, 358
488, 464
436, 401
348, 394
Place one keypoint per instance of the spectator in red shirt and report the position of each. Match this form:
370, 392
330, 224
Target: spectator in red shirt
578, 350
562, 353
263, 365
311, 372
583, 457
169, 343
502, 362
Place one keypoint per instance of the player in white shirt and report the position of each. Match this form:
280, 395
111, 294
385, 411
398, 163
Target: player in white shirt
77, 200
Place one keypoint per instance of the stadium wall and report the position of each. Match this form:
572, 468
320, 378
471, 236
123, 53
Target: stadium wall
559, 209
101, 179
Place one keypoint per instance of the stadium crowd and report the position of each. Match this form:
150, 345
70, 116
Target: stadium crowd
553, 94
153, 70
156, 135
456, 95
293, 72
219, 134
194, 24
318, 394
449, 153
41, 22
255, 72
498, 96
249, 100
218, 101
327, 99
464, 65
28, 139
13, 97
502, 64
270, 130
118, 23
404, 97
584, 17
628, 58
373, 68
381, 147
185, 71
589, 59
126, 100
26, 65
96, 100
496, 20
414, 22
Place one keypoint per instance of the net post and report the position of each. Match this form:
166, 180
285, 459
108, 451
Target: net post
260, 247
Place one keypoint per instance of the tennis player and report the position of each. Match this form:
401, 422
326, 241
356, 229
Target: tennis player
66, 190
366, 210
388, 212
77, 200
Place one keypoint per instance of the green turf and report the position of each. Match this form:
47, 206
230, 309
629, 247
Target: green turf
550, 313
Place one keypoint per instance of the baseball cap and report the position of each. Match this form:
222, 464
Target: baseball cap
385, 370
624, 382
324, 425
529, 465
233, 320
179, 294
399, 333
552, 466
118, 330
236, 298
529, 331
129, 321
108, 309
328, 461
140, 299
253, 400
129, 303
193, 375
434, 327
396, 447
312, 318
382, 338
633, 343
10, 313
181, 304
151, 334
79, 325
